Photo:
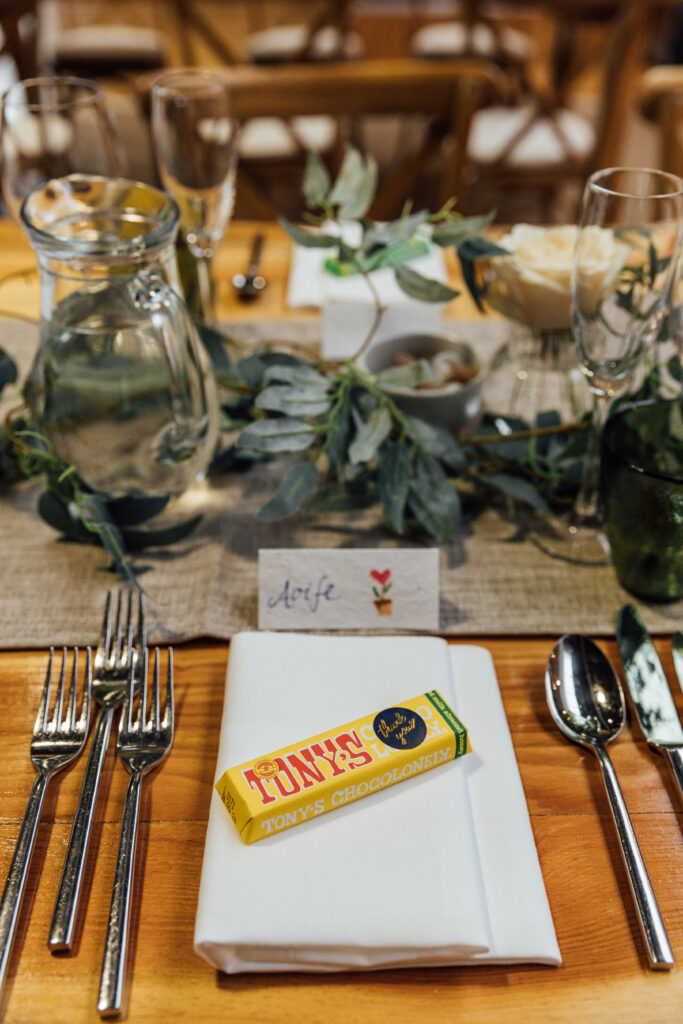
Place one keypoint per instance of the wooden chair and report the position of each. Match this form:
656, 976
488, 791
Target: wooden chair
542, 143
444, 94
19, 35
660, 95
324, 34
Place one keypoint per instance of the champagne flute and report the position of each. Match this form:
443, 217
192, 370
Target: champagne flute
626, 250
51, 127
195, 143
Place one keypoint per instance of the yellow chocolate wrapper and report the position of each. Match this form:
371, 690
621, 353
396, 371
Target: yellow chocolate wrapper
276, 791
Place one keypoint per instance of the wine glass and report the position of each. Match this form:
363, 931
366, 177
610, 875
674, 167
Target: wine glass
195, 143
51, 127
626, 250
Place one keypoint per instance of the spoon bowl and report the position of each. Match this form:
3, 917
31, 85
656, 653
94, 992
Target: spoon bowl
251, 283
587, 704
583, 692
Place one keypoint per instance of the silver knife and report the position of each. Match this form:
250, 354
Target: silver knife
677, 648
649, 689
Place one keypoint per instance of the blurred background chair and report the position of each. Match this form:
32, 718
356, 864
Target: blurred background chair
539, 149
566, 73
324, 34
438, 98
661, 102
18, 41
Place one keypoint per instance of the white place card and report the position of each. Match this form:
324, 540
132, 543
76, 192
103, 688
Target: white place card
363, 588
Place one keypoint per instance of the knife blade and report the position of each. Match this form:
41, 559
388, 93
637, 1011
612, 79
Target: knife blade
677, 648
649, 690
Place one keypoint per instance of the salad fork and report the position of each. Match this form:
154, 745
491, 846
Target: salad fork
118, 654
56, 741
142, 744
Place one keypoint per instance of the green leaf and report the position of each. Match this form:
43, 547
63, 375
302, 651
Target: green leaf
453, 232
517, 488
8, 369
297, 374
127, 512
372, 433
394, 464
410, 376
342, 498
393, 232
294, 401
355, 187
438, 441
286, 434
480, 248
316, 180
674, 367
291, 494
309, 239
139, 540
423, 288
214, 343
56, 514
434, 501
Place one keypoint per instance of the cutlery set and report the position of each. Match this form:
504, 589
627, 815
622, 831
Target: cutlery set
587, 704
118, 679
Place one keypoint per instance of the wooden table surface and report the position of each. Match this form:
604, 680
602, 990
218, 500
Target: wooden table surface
604, 976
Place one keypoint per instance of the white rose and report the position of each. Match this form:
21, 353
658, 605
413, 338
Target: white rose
533, 283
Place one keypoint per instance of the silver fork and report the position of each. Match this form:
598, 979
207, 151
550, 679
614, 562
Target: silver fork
118, 652
56, 741
142, 744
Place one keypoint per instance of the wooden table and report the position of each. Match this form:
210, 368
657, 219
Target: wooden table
604, 976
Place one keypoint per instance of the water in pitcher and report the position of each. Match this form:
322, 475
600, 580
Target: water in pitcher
121, 386
114, 397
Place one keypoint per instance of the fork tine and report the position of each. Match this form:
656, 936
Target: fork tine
41, 717
142, 705
116, 653
84, 717
105, 633
127, 645
70, 717
167, 721
59, 700
156, 715
127, 711
141, 631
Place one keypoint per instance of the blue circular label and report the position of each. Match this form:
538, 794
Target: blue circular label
400, 728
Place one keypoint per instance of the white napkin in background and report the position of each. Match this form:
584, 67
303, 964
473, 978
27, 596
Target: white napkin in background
310, 285
410, 876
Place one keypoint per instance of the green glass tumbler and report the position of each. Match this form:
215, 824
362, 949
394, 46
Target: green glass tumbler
641, 487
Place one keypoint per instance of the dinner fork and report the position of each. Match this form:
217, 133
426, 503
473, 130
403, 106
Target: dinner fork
118, 653
56, 741
142, 743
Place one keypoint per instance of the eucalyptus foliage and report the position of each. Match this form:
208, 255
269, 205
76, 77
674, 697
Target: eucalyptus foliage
369, 245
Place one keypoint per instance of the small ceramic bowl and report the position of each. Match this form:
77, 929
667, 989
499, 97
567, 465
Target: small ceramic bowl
455, 405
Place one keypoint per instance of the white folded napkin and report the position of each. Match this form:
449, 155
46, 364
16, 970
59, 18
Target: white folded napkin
414, 875
310, 285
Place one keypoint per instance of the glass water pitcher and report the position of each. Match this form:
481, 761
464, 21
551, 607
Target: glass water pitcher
121, 385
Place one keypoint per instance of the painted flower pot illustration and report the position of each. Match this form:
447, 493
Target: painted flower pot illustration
383, 604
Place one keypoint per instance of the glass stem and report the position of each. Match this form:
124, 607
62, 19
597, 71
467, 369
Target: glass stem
587, 500
205, 282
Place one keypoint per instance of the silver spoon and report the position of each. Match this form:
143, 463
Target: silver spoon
251, 283
587, 705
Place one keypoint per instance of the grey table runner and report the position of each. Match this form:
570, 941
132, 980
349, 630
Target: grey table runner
490, 583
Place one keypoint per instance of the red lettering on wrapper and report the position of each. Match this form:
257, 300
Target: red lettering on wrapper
333, 751
254, 782
309, 773
356, 758
279, 781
